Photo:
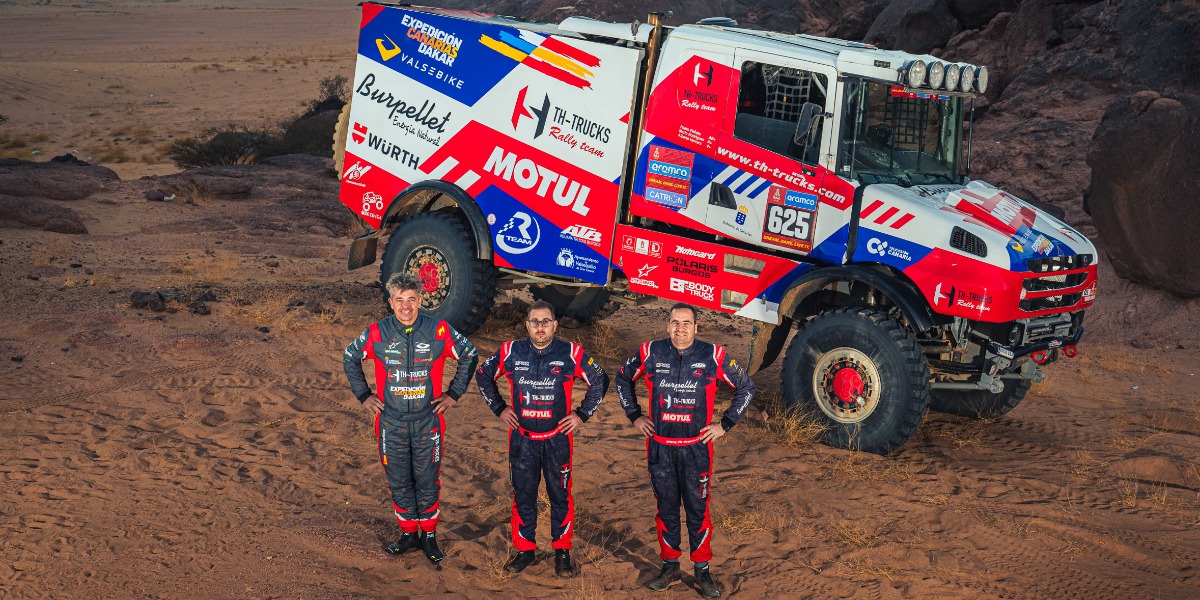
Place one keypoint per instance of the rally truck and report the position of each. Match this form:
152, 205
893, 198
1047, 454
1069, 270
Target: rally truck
811, 185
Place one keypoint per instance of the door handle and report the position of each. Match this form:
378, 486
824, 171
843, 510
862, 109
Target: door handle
720, 195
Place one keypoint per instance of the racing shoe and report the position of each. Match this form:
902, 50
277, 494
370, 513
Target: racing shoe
708, 587
430, 546
408, 541
562, 564
668, 577
523, 559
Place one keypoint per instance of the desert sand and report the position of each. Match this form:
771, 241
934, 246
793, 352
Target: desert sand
179, 455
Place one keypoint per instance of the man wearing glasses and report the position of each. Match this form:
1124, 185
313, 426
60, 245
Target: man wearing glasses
410, 350
540, 371
682, 374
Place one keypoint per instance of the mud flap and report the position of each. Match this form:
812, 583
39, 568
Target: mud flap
766, 343
363, 251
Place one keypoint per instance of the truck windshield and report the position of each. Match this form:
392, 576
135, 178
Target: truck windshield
893, 136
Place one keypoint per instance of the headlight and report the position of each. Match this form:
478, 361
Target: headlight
981, 79
937, 73
915, 75
953, 72
967, 79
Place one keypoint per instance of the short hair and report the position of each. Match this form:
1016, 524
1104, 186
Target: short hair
541, 304
683, 306
403, 282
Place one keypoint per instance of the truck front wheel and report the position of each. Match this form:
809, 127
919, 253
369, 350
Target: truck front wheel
437, 247
582, 304
860, 373
981, 404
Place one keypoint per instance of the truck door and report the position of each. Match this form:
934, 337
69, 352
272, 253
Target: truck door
769, 184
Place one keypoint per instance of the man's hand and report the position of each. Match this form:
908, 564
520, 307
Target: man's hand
509, 417
373, 404
570, 423
645, 425
711, 432
443, 402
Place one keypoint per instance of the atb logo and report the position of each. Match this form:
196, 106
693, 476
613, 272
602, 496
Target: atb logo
372, 202
520, 235
582, 233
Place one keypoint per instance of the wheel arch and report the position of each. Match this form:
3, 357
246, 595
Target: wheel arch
869, 285
428, 196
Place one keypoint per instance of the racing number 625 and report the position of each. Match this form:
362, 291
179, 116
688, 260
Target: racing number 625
785, 220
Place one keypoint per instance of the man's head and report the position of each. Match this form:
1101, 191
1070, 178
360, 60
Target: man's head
404, 296
681, 326
540, 323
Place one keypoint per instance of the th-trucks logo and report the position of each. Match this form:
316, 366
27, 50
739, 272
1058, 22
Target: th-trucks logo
531, 176
520, 235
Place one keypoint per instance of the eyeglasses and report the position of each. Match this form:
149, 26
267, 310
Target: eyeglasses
540, 322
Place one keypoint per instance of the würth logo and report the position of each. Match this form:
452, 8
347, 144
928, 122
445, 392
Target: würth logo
359, 134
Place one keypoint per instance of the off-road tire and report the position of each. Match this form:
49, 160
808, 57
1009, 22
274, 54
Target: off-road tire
340, 132
892, 377
582, 304
981, 404
459, 288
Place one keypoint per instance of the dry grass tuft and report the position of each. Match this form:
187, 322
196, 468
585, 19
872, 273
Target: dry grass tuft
748, 522
787, 427
854, 535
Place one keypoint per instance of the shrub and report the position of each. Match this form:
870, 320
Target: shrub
230, 145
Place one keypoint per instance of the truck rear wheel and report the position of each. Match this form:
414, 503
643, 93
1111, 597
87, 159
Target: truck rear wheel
862, 374
340, 131
457, 287
582, 304
981, 404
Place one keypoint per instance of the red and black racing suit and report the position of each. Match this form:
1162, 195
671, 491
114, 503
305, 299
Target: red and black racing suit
682, 386
408, 376
541, 382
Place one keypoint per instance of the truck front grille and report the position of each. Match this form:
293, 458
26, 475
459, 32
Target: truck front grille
1058, 263
1053, 282
1050, 302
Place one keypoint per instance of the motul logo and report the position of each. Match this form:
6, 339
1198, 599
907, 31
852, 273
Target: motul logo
676, 418
531, 176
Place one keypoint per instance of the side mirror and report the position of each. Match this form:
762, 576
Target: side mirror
810, 115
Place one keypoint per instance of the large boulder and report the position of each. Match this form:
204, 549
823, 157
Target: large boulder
1145, 193
916, 26
31, 213
62, 178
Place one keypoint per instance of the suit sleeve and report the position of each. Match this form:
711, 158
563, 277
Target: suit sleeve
743, 390
352, 364
626, 376
485, 377
464, 352
597, 381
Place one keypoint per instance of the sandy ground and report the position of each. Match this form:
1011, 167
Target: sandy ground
171, 454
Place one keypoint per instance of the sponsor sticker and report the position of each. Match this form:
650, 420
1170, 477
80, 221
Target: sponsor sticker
641, 246
669, 176
692, 288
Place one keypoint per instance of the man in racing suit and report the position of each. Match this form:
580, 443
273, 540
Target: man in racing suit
540, 371
682, 374
410, 350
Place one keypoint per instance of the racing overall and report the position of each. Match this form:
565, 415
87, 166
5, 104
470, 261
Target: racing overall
541, 382
408, 376
682, 387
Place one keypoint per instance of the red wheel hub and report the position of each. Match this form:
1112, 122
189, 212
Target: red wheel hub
430, 279
848, 385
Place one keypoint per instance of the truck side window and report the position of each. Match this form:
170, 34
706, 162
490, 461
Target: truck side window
770, 100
